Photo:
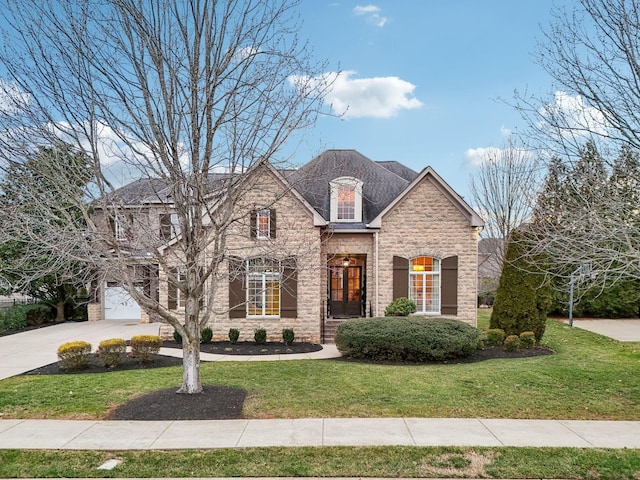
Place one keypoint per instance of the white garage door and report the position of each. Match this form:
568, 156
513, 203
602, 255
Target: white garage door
118, 305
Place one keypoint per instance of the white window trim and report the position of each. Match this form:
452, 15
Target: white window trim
264, 276
424, 274
120, 226
334, 187
259, 214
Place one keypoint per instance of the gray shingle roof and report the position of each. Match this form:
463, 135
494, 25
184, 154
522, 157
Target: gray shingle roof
381, 185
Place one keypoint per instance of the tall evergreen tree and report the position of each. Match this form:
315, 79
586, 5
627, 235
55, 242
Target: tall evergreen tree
524, 296
28, 195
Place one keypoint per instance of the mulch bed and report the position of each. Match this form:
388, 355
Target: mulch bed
220, 402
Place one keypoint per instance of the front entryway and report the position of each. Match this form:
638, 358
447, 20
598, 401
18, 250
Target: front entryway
346, 277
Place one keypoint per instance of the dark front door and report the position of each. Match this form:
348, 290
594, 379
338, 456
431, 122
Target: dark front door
346, 290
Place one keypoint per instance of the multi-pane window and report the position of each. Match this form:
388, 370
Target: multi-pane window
424, 284
263, 287
263, 224
346, 202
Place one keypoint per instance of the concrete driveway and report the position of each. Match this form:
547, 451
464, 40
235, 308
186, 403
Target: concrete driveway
624, 330
25, 351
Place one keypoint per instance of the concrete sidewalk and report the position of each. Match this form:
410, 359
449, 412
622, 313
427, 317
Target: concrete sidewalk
315, 432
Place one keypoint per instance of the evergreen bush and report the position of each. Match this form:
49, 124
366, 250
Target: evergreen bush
234, 335
177, 337
260, 336
206, 335
288, 336
527, 340
112, 352
524, 296
74, 355
495, 337
512, 343
145, 347
400, 307
415, 339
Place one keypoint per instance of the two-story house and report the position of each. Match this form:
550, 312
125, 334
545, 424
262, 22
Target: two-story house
342, 236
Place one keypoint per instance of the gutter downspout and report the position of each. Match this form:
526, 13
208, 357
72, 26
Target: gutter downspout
376, 268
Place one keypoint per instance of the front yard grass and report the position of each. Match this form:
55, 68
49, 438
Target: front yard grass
589, 377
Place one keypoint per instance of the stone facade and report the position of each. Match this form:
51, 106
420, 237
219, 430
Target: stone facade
421, 217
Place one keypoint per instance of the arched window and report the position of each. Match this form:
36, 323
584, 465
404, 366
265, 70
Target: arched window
424, 284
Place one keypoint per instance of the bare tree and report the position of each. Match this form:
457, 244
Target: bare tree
591, 50
502, 188
193, 97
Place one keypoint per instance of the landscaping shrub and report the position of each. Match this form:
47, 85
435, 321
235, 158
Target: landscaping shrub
523, 297
527, 340
206, 335
260, 336
495, 337
288, 336
415, 339
14, 318
400, 307
145, 347
177, 337
37, 314
234, 335
112, 352
512, 343
74, 355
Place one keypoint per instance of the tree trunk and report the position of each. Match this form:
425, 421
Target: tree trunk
60, 311
191, 359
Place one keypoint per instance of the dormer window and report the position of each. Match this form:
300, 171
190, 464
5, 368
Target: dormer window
346, 199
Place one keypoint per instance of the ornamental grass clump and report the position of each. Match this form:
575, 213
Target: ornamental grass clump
112, 352
414, 339
74, 355
145, 347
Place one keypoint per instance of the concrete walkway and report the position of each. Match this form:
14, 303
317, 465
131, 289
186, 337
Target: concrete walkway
28, 350
315, 432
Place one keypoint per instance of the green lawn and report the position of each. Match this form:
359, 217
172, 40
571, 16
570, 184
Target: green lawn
590, 377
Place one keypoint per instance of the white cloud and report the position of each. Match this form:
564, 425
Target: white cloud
480, 155
371, 13
571, 114
377, 97
12, 99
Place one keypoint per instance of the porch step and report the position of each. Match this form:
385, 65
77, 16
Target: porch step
330, 327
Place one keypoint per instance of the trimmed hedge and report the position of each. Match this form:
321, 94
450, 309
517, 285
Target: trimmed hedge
74, 355
145, 347
413, 339
112, 352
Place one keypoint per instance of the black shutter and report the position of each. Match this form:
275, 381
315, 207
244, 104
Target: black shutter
289, 289
400, 277
449, 295
272, 223
172, 290
237, 296
165, 226
253, 233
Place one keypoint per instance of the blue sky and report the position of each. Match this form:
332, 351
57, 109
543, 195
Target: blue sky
439, 69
